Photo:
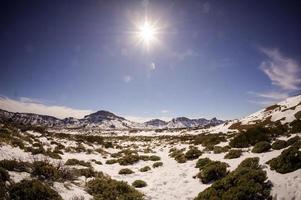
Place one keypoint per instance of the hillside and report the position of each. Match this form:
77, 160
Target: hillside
262, 154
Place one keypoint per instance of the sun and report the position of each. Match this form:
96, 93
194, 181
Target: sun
147, 33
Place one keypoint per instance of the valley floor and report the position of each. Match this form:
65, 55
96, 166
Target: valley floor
171, 181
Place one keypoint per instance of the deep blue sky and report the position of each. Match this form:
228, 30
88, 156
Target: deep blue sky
81, 54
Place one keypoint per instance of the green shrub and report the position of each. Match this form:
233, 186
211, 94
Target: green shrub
202, 162
261, 147
288, 161
154, 158
233, 153
128, 159
209, 139
212, 171
14, 165
293, 140
4, 175
181, 158
111, 161
125, 171
139, 184
87, 172
250, 137
145, 169
218, 149
74, 161
296, 126
32, 190
105, 188
250, 163
157, 164
193, 153
44, 170
247, 183
279, 144
178, 155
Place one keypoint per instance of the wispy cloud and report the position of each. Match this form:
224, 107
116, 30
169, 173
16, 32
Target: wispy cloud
28, 105
165, 111
180, 56
127, 78
284, 72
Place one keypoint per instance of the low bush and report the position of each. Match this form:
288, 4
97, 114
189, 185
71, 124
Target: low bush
250, 163
4, 175
233, 153
261, 147
14, 165
209, 139
139, 184
111, 161
74, 161
288, 161
247, 182
154, 158
193, 153
178, 155
157, 164
128, 159
202, 162
250, 137
109, 189
293, 140
218, 149
296, 126
279, 144
87, 172
145, 169
125, 171
212, 171
32, 190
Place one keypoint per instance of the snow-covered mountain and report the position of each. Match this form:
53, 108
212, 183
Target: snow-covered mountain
284, 112
103, 120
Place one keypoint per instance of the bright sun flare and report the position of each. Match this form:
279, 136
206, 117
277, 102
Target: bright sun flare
147, 33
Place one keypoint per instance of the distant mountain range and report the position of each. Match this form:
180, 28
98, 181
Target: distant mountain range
103, 120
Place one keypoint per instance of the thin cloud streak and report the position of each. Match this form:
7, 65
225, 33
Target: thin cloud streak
27, 105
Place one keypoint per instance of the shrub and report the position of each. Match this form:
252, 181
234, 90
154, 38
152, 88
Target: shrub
248, 182
74, 161
212, 171
250, 137
279, 144
218, 149
296, 126
139, 184
145, 169
112, 161
233, 153
125, 171
288, 161
293, 140
154, 158
181, 158
32, 190
193, 153
44, 171
14, 165
87, 172
128, 159
202, 162
4, 176
109, 189
250, 163
178, 155
261, 147
209, 139
157, 164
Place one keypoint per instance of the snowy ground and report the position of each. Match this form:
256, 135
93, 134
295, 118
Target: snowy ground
172, 181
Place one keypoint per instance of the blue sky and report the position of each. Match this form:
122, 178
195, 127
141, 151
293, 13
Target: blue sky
222, 59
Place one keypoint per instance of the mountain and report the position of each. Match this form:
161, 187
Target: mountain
155, 123
182, 122
103, 120
284, 112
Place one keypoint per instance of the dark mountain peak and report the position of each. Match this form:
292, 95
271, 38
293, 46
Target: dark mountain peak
102, 115
155, 122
